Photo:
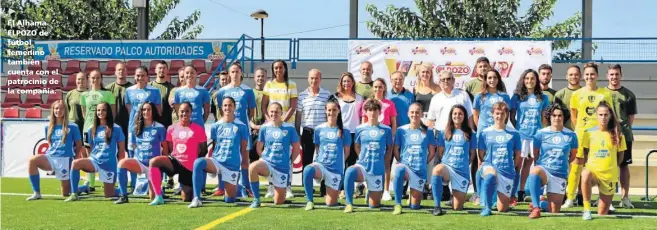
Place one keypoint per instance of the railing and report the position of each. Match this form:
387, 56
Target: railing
647, 198
238, 51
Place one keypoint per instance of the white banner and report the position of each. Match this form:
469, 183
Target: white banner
510, 58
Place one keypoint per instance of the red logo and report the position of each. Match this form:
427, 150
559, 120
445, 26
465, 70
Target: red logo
535, 51
391, 50
460, 69
448, 51
477, 51
505, 51
419, 50
362, 50
40, 147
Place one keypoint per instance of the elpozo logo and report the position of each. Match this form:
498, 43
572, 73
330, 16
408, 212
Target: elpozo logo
477, 51
505, 51
535, 51
362, 50
391, 50
419, 50
455, 68
448, 51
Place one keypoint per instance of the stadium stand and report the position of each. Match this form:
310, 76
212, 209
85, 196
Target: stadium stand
91, 65
36, 82
174, 66
72, 67
6, 86
32, 100
200, 67
132, 65
55, 82
10, 112
33, 113
58, 95
151, 68
12, 98
35, 66
110, 67
54, 65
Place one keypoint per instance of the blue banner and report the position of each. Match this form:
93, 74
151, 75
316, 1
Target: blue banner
133, 50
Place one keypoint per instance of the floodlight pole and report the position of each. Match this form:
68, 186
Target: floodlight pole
587, 29
142, 20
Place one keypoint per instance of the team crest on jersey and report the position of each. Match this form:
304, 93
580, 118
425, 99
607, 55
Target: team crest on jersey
532, 101
101, 135
499, 139
509, 136
182, 135
237, 94
373, 133
234, 129
556, 140
415, 137
141, 96
58, 133
153, 132
276, 134
331, 135
591, 98
284, 133
147, 135
191, 94
458, 138
225, 132
181, 148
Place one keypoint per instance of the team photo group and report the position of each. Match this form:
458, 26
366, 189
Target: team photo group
371, 138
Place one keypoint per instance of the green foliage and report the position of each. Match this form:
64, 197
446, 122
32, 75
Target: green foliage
472, 18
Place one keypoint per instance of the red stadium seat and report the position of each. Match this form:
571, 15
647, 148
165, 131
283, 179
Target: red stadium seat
72, 67
12, 77
11, 112
199, 65
12, 98
58, 95
204, 78
91, 65
175, 66
110, 67
35, 67
32, 100
54, 65
132, 65
216, 63
36, 82
33, 113
70, 83
151, 68
56, 82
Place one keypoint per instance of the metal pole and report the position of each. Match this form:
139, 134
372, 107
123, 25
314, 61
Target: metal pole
142, 21
262, 39
587, 29
353, 18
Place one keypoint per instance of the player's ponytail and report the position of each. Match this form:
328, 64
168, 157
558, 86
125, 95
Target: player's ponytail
612, 125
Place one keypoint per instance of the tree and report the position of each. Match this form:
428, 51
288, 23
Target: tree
95, 19
473, 18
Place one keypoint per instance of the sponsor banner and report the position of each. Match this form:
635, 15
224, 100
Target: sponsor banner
122, 50
21, 140
510, 58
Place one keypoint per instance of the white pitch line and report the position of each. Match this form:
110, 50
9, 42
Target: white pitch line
470, 211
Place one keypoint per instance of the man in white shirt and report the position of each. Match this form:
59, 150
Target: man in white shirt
442, 102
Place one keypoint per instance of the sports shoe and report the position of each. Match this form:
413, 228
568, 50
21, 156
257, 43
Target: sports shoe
586, 215
567, 204
386, 196
73, 197
288, 193
35, 196
361, 190
449, 203
121, 200
219, 192
195, 203
528, 199
255, 204
178, 191
611, 209
474, 197
348, 208
485, 211
437, 211
310, 206
270, 191
626, 203
397, 210
535, 213
157, 201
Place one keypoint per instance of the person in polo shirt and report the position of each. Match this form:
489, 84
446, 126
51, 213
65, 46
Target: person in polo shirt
310, 114
441, 103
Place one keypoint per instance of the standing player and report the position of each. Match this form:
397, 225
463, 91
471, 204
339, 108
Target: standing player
366, 83
527, 106
544, 78
245, 104
135, 96
473, 86
147, 138
414, 147
105, 142
554, 148
73, 103
230, 136
332, 143
573, 75
583, 103
63, 142
499, 154
186, 140
373, 145
284, 92
492, 92
274, 143
604, 146
89, 102
624, 108
457, 146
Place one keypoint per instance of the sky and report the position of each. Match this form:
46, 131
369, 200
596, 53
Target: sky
290, 18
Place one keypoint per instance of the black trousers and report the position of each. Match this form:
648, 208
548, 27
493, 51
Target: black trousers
308, 152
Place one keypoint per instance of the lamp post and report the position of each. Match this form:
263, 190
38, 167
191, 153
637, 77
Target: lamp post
261, 14
142, 18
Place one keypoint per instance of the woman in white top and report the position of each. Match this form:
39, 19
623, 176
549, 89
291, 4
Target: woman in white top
348, 100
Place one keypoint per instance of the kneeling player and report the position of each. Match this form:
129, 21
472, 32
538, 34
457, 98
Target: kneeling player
457, 147
274, 141
554, 148
414, 147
